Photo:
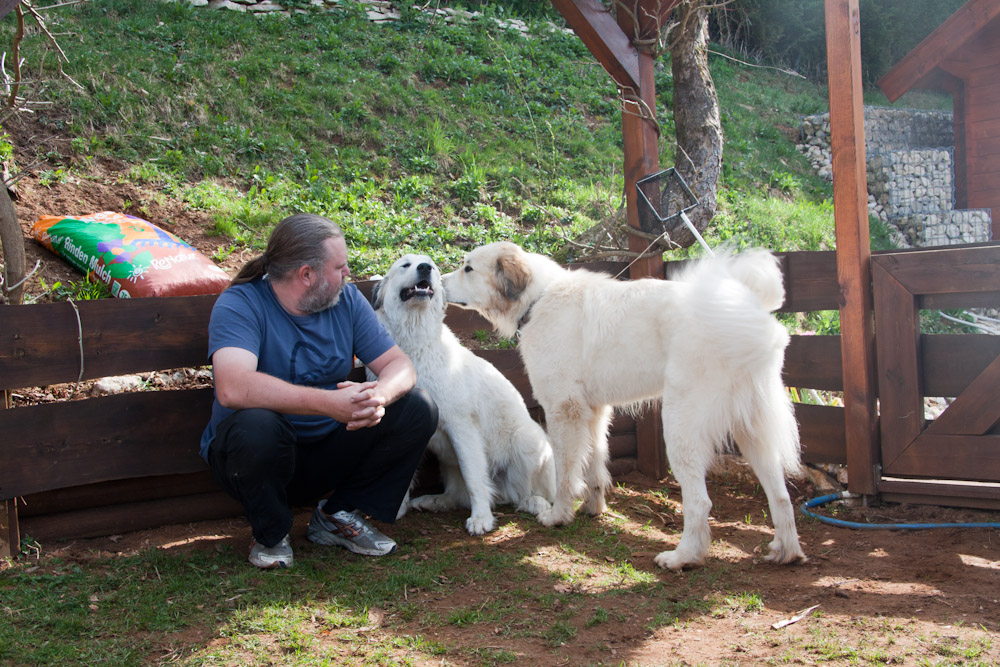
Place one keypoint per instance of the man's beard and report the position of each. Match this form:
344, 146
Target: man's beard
320, 297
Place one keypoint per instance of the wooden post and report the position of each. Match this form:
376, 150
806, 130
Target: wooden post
850, 206
609, 39
10, 532
642, 159
10, 535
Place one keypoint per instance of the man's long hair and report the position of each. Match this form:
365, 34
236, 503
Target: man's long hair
295, 241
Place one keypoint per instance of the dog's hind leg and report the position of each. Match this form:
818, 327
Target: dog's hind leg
455, 494
524, 482
690, 453
597, 477
760, 448
568, 424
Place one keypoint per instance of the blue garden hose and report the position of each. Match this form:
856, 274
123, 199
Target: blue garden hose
822, 500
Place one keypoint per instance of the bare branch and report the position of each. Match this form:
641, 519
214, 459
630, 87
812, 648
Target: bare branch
18, 36
743, 62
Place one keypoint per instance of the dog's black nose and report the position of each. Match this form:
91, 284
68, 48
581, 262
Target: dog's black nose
423, 269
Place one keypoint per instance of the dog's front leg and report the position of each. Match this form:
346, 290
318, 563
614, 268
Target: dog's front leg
470, 449
568, 429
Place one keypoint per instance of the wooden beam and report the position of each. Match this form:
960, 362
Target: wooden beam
920, 62
604, 38
850, 205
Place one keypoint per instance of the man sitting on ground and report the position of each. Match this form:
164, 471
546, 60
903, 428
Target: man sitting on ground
286, 426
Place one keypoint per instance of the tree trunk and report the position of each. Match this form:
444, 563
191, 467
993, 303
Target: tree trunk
697, 123
12, 245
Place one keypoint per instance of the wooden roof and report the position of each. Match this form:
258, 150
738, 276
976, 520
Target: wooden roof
946, 52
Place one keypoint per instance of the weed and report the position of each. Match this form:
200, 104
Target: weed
559, 633
83, 290
599, 616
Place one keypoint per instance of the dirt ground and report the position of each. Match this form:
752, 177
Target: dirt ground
104, 189
916, 592
878, 597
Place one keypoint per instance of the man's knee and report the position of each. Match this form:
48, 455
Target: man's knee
420, 410
255, 434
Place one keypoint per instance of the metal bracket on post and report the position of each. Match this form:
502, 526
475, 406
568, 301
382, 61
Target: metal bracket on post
664, 199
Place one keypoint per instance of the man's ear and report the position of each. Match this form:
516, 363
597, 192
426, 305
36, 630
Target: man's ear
305, 275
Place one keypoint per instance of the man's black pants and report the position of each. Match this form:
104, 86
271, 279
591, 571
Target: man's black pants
258, 460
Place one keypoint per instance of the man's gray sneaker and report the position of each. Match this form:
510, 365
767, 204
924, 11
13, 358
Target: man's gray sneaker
268, 558
348, 530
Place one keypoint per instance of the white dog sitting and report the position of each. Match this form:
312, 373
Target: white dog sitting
489, 447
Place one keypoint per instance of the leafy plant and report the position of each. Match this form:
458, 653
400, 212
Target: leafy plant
83, 290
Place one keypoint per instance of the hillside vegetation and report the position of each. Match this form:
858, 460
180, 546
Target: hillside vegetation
415, 136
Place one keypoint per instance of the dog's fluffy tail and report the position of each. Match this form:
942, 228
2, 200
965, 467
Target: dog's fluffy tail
738, 345
756, 269
759, 271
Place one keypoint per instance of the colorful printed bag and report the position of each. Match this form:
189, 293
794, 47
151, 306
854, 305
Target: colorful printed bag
132, 256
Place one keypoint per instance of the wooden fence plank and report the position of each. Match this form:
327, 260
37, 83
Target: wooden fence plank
821, 430
112, 437
950, 362
10, 535
98, 521
41, 344
810, 281
899, 375
976, 410
945, 493
935, 271
965, 457
117, 492
813, 362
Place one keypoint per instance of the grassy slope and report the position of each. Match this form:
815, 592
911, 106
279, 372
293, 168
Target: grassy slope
417, 136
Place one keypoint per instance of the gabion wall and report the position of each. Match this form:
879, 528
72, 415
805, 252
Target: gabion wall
910, 157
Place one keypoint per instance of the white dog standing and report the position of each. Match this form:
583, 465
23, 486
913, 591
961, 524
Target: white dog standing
705, 343
489, 447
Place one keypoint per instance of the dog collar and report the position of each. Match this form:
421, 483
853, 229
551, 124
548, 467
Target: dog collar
524, 319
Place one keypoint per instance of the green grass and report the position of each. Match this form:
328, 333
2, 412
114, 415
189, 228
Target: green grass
419, 136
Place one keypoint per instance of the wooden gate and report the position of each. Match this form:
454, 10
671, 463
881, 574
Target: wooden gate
955, 456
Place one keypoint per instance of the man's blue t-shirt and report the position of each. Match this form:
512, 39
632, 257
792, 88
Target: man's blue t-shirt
316, 350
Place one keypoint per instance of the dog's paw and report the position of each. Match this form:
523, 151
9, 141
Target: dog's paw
593, 502
555, 516
477, 525
433, 503
780, 555
402, 510
534, 505
676, 561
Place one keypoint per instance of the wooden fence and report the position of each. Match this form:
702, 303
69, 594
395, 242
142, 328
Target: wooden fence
109, 464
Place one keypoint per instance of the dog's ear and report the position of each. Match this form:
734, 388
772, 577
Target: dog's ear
378, 298
513, 274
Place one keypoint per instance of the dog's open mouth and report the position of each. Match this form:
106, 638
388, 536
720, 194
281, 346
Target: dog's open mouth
421, 290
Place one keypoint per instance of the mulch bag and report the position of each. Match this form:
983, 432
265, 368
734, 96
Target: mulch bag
132, 256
